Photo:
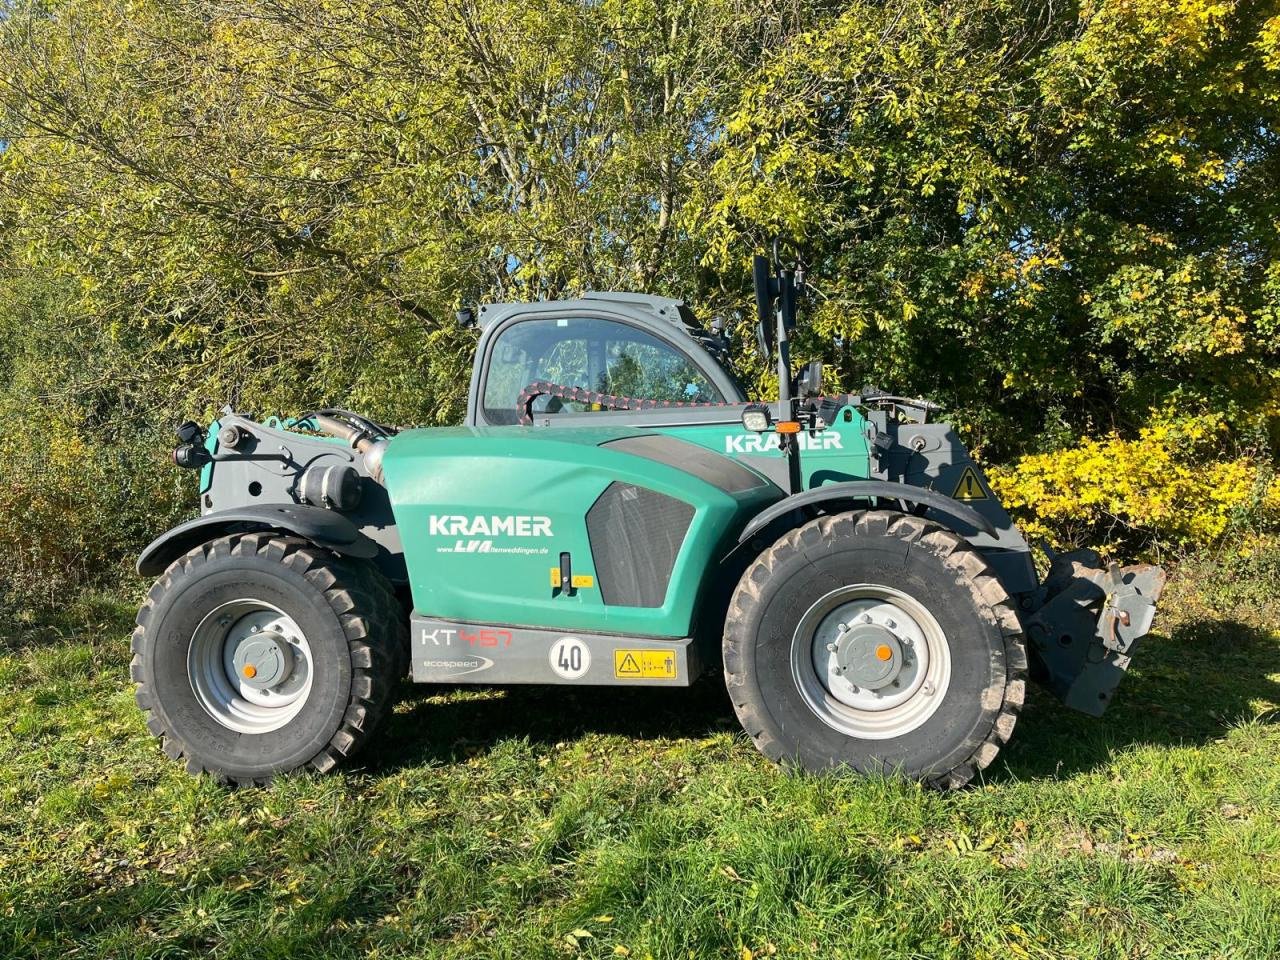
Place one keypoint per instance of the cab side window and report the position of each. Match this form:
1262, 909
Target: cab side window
604, 356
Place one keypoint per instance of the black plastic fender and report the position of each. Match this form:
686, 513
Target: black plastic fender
863, 490
322, 527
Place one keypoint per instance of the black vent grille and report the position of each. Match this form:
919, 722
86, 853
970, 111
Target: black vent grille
635, 537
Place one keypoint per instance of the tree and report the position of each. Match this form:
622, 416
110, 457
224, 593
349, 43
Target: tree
1058, 220
1054, 219
289, 198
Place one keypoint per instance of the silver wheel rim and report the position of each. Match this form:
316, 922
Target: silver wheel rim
839, 665
250, 666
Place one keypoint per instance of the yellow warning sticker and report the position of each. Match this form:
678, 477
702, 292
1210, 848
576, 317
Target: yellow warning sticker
644, 664
969, 487
581, 581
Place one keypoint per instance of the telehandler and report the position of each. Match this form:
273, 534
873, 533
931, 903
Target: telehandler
614, 511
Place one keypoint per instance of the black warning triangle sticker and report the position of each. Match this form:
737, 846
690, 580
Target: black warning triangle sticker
969, 487
628, 665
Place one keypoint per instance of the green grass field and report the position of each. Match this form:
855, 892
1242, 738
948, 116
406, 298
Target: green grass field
531, 822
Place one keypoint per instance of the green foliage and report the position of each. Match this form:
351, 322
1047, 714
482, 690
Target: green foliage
71, 513
1051, 219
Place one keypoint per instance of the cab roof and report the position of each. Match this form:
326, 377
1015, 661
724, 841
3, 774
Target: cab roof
642, 305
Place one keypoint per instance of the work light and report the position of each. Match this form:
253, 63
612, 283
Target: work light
756, 418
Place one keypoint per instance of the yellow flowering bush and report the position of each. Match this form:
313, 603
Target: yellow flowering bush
1162, 489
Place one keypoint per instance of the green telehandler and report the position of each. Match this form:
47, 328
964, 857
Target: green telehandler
615, 512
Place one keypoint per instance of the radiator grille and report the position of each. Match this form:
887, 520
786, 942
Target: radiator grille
635, 536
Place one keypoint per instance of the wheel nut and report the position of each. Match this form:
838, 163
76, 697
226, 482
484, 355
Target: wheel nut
890, 624
831, 647
841, 627
866, 618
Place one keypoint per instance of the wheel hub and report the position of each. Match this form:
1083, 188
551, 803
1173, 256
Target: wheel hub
250, 666
263, 661
868, 655
870, 661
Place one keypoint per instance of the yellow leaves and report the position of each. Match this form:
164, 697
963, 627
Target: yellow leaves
1178, 310
1165, 485
963, 844
575, 937
112, 784
910, 841
1178, 28
1269, 43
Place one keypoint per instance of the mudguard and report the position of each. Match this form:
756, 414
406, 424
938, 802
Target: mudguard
322, 527
865, 489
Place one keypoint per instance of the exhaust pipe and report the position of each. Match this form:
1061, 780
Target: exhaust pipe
368, 444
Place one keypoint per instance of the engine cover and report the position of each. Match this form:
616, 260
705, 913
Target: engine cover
565, 530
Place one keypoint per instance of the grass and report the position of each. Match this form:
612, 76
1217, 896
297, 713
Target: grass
535, 823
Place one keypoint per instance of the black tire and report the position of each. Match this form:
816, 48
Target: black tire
353, 627
940, 571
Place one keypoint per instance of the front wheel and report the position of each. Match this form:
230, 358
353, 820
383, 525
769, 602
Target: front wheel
876, 642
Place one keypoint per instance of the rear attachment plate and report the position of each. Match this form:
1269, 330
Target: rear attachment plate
1086, 632
455, 652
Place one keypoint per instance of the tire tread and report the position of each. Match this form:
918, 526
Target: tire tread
360, 597
988, 594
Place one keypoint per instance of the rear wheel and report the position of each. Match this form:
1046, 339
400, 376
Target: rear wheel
877, 642
257, 655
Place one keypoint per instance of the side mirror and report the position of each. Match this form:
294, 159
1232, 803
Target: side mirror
810, 380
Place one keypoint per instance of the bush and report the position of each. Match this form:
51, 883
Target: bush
1165, 489
75, 512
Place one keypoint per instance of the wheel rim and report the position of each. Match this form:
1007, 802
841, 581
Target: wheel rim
250, 666
870, 661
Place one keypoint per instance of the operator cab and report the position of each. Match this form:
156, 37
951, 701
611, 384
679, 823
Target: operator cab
623, 344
